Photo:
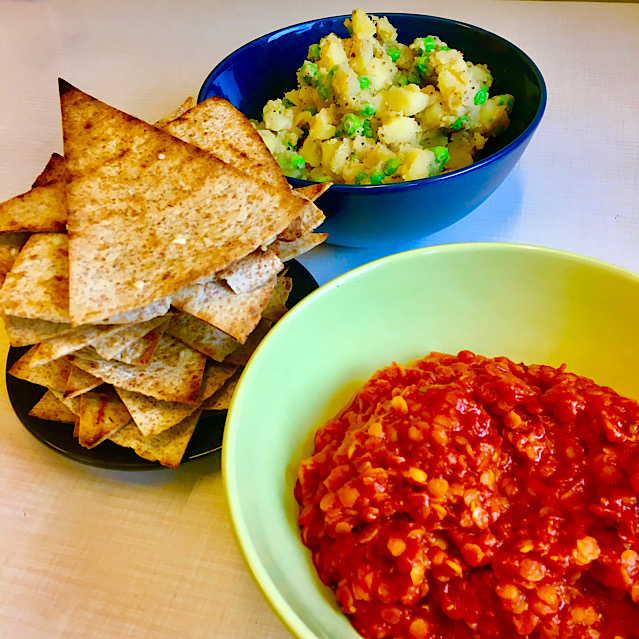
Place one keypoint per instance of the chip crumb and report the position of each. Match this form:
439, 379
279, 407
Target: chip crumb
179, 239
161, 156
139, 285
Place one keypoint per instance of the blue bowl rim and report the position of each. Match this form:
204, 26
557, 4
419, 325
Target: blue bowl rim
369, 189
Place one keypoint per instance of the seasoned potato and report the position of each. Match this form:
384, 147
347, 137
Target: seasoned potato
368, 109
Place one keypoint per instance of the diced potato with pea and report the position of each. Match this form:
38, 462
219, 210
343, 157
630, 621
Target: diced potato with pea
369, 109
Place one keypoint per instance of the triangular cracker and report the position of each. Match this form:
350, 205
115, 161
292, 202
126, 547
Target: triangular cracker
168, 447
112, 343
150, 214
52, 375
202, 336
221, 400
79, 382
141, 352
251, 272
10, 246
42, 209
24, 332
154, 416
37, 286
174, 374
50, 408
289, 250
215, 125
54, 171
100, 413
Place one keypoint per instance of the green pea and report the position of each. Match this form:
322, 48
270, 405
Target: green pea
313, 111
314, 52
377, 177
364, 82
308, 71
324, 91
413, 78
421, 64
390, 166
426, 45
402, 80
367, 109
360, 177
287, 103
321, 178
394, 53
297, 161
459, 123
351, 124
482, 95
444, 48
441, 154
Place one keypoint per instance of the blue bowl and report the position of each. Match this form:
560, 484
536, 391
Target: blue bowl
393, 214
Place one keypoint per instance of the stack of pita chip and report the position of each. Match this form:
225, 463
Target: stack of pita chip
145, 265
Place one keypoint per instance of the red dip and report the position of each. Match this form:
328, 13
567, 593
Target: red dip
471, 497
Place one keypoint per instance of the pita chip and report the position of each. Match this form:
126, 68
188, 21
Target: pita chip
215, 303
174, 374
41, 209
251, 272
289, 250
221, 400
215, 125
167, 448
189, 103
111, 343
149, 214
241, 355
100, 413
80, 382
202, 336
51, 409
276, 307
141, 352
154, 416
53, 375
37, 286
10, 245
62, 345
54, 171
24, 332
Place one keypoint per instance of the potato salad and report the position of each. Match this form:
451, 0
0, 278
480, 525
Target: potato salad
368, 109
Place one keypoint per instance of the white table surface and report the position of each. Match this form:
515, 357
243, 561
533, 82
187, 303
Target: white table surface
96, 553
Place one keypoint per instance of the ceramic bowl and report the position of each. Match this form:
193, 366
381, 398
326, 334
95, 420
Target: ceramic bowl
393, 214
530, 304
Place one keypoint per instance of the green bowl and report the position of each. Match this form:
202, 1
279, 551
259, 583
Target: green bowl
531, 304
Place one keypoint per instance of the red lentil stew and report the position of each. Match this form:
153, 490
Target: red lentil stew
471, 497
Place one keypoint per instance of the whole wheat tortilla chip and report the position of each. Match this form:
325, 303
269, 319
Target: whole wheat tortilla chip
110, 344
174, 374
202, 336
313, 191
154, 416
289, 250
215, 303
167, 448
80, 382
41, 209
241, 355
215, 125
150, 311
251, 272
53, 375
50, 408
148, 213
221, 399
37, 286
276, 307
10, 246
188, 103
141, 353
54, 171
24, 332
100, 413
310, 217
62, 345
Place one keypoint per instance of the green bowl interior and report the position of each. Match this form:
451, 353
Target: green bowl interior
530, 304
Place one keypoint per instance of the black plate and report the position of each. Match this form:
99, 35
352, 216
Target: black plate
206, 439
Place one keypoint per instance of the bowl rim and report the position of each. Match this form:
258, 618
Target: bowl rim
369, 189
250, 556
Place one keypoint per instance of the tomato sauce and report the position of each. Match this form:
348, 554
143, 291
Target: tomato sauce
466, 497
